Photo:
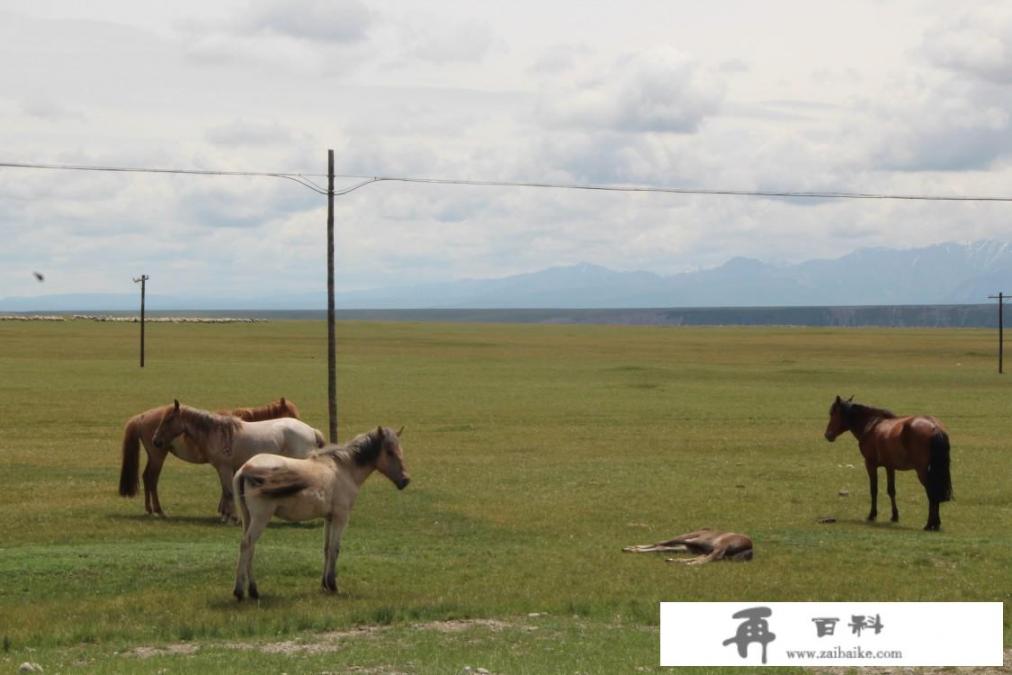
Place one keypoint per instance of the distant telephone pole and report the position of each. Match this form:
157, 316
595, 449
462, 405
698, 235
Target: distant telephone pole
142, 280
1001, 329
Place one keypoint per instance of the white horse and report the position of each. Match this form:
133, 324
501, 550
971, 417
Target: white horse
140, 431
322, 486
227, 442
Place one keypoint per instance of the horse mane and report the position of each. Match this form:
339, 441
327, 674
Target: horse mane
363, 450
268, 411
204, 423
868, 411
857, 416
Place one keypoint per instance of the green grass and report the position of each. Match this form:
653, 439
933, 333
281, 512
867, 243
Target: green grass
536, 453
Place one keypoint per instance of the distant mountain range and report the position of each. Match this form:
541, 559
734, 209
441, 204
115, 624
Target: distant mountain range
941, 274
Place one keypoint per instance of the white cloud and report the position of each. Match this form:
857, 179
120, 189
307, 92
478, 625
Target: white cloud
340, 21
657, 90
463, 42
462, 91
249, 132
977, 43
48, 109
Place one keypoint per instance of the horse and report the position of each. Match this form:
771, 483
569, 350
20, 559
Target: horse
323, 485
140, 429
918, 442
708, 545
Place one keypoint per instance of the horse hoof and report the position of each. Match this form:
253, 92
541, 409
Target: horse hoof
894, 519
254, 594
238, 594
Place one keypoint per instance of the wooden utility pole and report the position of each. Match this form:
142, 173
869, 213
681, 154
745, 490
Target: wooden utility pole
142, 279
1001, 329
331, 340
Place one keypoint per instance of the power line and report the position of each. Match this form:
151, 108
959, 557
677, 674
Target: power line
304, 179
700, 191
300, 178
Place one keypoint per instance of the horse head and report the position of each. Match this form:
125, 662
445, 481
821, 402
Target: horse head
390, 461
839, 415
170, 427
288, 408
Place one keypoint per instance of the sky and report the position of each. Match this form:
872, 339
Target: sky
884, 96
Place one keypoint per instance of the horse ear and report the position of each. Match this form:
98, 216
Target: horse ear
282, 400
176, 401
379, 431
400, 431
850, 399
838, 399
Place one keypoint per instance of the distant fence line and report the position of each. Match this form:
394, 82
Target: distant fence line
126, 319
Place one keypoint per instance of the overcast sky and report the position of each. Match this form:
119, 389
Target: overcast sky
863, 96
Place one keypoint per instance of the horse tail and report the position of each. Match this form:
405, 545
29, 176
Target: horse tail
239, 492
272, 481
939, 479
131, 458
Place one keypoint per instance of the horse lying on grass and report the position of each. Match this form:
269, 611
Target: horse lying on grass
897, 443
708, 545
321, 486
140, 430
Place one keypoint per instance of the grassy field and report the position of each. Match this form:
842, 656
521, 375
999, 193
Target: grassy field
536, 453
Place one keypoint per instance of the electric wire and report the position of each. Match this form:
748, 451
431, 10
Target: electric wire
305, 179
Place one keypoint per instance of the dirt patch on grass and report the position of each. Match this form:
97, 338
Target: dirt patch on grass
318, 643
458, 625
177, 649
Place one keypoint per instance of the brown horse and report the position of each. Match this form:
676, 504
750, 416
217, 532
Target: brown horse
920, 443
323, 485
140, 430
707, 545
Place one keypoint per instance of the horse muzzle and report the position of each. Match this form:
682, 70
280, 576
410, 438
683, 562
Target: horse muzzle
158, 443
830, 436
402, 483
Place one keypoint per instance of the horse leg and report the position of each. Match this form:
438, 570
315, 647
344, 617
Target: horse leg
702, 559
934, 521
259, 517
332, 549
873, 487
152, 470
891, 489
226, 505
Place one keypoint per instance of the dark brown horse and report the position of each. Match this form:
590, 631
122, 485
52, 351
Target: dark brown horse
140, 430
919, 442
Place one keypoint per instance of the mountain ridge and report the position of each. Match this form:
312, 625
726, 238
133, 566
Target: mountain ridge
947, 273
